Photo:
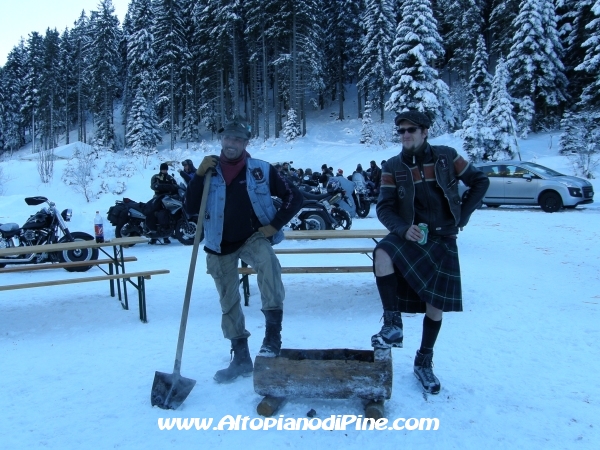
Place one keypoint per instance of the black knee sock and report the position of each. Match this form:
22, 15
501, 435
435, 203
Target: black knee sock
386, 286
431, 328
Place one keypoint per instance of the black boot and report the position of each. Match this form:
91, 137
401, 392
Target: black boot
424, 372
240, 365
391, 334
272, 341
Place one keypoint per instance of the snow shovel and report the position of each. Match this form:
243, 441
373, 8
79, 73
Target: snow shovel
169, 391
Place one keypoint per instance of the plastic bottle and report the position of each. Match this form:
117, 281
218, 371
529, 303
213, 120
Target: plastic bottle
98, 227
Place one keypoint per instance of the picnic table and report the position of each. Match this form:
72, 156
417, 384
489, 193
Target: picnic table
359, 240
115, 272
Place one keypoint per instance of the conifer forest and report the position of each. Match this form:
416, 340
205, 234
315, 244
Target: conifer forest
490, 70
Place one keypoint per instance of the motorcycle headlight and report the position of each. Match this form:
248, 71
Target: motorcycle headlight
66, 214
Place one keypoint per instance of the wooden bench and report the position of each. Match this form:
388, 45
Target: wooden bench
66, 265
115, 274
244, 270
140, 285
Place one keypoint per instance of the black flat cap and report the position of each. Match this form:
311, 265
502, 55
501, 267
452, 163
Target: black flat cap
236, 128
414, 116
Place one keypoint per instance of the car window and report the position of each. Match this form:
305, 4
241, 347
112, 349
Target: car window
542, 170
515, 171
491, 171
520, 172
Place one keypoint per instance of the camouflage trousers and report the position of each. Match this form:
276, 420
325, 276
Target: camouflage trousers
258, 254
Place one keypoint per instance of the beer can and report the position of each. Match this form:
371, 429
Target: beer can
424, 230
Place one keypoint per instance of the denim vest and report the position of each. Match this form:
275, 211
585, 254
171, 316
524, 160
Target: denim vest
259, 192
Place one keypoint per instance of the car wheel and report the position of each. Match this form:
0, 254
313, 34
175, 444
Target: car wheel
550, 202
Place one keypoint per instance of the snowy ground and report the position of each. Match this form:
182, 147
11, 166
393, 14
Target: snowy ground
516, 366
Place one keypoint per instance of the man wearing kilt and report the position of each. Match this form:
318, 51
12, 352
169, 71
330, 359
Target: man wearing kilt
420, 186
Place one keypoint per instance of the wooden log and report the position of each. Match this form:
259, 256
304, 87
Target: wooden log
269, 405
333, 373
374, 409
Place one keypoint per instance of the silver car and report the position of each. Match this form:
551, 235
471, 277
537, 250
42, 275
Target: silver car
526, 183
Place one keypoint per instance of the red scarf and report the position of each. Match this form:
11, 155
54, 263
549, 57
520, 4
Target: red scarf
232, 168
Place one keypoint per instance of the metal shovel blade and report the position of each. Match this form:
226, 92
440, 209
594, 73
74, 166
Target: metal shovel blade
169, 390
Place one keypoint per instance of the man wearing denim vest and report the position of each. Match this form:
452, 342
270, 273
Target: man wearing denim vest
241, 222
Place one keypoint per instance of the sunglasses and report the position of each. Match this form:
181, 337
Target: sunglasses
411, 130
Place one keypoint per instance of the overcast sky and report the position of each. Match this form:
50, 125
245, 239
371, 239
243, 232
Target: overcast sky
18, 18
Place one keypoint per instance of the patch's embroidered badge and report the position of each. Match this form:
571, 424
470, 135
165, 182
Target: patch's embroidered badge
443, 161
258, 174
401, 192
401, 175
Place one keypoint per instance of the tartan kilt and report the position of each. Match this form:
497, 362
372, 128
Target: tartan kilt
427, 273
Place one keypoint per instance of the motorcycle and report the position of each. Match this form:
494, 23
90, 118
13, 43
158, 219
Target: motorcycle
129, 218
364, 194
319, 212
47, 226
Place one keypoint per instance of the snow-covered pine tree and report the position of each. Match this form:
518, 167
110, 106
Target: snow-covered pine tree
13, 74
81, 55
580, 140
341, 47
525, 115
501, 20
104, 66
415, 83
33, 80
375, 64
476, 133
366, 132
170, 35
143, 131
188, 69
590, 97
257, 25
574, 16
499, 115
68, 83
49, 91
480, 80
291, 127
460, 21
535, 62
212, 45
306, 65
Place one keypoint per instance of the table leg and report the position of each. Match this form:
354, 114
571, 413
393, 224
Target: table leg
112, 282
124, 283
116, 252
142, 299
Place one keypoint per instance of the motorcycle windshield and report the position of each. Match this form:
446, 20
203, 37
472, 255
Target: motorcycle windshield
34, 201
358, 179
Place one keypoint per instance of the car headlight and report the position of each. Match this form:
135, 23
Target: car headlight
575, 192
567, 183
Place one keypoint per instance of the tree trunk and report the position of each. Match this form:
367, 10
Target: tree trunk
235, 99
276, 99
172, 108
265, 87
